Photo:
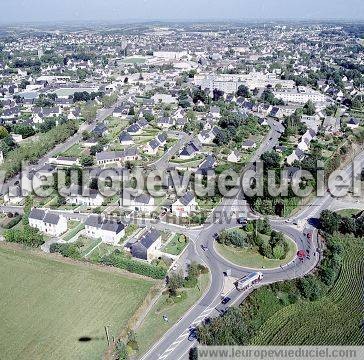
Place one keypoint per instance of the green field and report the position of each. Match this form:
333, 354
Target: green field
333, 320
251, 258
153, 327
47, 305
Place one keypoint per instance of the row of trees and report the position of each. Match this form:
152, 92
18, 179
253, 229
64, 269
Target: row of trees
32, 151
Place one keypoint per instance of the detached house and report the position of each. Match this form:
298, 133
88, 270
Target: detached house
126, 139
94, 198
190, 150
143, 203
185, 205
248, 145
234, 157
147, 246
353, 123
165, 122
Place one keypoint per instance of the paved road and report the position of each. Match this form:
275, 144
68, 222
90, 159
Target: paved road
175, 343
162, 162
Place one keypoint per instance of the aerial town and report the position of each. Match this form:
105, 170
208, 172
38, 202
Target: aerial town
164, 262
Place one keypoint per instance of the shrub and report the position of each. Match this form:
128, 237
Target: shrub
135, 266
11, 223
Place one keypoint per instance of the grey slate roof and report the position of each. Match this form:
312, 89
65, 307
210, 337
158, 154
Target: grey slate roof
37, 214
51, 218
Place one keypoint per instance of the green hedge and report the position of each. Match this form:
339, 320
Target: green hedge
121, 261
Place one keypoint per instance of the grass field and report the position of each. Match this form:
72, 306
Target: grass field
333, 320
153, 327
348, 212
47, 305
251, 258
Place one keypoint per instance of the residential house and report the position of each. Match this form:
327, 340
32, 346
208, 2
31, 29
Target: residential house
190, 150
126, 139
109, 231
248, 145
48, 222
185, 205
234, 157
147, 246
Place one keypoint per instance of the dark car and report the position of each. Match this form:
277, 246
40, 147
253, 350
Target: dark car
193, 335
242, 221
225, 300
204, 247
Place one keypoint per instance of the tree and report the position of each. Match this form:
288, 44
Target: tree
271, 160
96, 149
89, 113
329, 221
86, 160
3, 132
24, 130
309, 108
175, 282
193, 354
121, 351
86, 135
217, 94
243, 91
229, 329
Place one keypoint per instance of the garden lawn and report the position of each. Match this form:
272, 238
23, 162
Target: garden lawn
47, 305
175, 247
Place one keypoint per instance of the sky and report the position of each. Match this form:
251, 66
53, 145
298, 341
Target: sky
130, 10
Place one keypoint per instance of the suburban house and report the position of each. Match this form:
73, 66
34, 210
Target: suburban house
185, 205
234, 157
126, 139
248, 145
152, 147
94, 198
353, 123
190, 150
65, 161
165, 122
296, 155
144, 203
206, 137
147, 246
47, 222
107, 157
109, 231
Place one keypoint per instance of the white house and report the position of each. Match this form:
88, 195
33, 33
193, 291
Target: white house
185, 205
143, 203
248, 144
353, 123
94, 198
109, 231
47, 222
234, 157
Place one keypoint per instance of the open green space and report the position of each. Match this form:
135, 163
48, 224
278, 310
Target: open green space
250, 257
48, 305
153, 327
348, 212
